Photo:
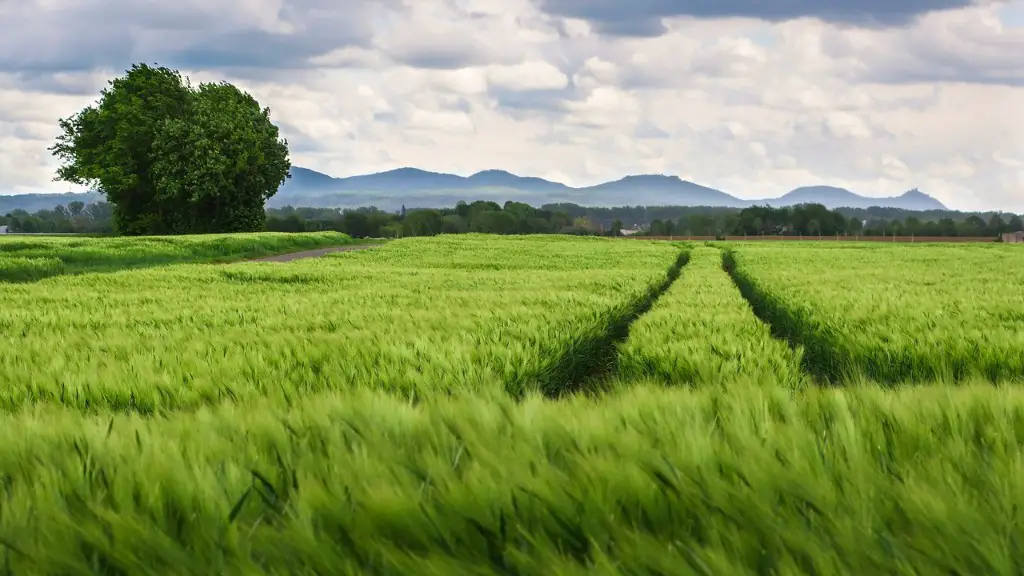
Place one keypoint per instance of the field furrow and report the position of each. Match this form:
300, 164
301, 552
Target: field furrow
893, 314
505, 316
702, 332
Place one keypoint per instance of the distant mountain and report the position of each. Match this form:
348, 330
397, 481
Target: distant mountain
36, 202
503, 179
310, 180
840, 197
658, 190
412, 187
415, 188
819, 194
305, 182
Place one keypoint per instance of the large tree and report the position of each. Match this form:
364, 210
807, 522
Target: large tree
173, 159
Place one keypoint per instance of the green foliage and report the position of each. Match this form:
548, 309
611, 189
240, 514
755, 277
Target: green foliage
794, 220
75, 218
173, 159
480, 217
221, 163
369, 222
423, 223
805, 219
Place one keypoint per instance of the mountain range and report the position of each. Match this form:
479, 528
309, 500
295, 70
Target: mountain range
414, 188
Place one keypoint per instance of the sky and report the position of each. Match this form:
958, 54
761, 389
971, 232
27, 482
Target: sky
752, 97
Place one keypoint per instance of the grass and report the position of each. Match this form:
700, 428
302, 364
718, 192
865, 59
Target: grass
30, 259
894, 315
702, 332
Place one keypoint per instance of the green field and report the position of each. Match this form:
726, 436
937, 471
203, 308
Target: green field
894, 314
517, 405
702, 332
31, 258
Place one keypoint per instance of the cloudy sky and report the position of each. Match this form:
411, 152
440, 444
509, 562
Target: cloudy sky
753, 97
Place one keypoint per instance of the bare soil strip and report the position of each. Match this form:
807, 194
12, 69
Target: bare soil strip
312, 253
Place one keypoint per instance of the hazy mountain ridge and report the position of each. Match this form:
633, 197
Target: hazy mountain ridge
32, 203
840, 197
415, 188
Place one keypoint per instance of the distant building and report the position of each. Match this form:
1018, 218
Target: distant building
1014, 237
3, 229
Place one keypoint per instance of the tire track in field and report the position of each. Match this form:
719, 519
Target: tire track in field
820, 357
703, 333
584, 367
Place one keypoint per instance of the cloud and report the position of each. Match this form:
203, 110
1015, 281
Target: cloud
64, 35
965, 46
528, 76
604, 107
754, 98
643, 18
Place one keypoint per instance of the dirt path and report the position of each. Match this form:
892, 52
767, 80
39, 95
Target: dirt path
313, 253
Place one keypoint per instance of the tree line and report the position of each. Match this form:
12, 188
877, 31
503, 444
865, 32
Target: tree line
480, 216
817, 220
519, 218
370, 222
75, 218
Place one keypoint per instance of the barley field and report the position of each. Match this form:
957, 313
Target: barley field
515, 405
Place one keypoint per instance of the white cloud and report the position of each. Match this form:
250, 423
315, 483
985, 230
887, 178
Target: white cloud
752, 107
532, 75
440, 121
604, 107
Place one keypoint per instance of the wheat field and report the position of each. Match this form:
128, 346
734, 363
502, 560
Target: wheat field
512, 405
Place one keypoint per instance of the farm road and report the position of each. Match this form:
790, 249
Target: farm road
312, 253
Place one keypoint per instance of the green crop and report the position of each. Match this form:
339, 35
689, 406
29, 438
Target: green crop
427, 407
894, 314
25, 258
22, 269
181, 336
703, 332
722, 480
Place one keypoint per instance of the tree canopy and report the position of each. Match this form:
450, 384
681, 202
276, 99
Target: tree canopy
172, 158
